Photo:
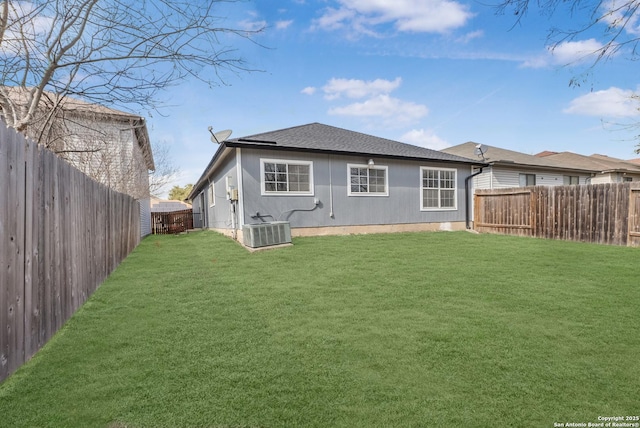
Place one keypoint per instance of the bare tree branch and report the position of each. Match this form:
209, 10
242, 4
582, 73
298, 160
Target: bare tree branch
615, 23
115, 53
165, 172
120, 53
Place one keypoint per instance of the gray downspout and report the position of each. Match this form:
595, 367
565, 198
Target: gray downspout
466, 195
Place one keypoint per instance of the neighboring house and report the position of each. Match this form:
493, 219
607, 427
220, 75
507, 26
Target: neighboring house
170, 216
604, 169
166, 205
328, 180
507, 168
110, 146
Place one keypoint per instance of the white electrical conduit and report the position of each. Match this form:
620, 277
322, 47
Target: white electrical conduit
330, 190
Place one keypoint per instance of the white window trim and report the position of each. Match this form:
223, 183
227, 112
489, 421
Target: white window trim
211, 193
455, 190
288, 162
386, 180
526, 175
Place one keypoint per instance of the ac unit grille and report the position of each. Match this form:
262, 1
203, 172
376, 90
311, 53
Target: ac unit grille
266, 234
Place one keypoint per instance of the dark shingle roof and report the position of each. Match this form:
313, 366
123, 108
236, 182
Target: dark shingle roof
317, 137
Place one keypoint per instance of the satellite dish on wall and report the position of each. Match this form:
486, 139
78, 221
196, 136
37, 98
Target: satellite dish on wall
219, 136
480, 150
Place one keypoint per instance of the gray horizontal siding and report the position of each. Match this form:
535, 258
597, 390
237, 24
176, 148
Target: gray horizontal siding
505, 178
401, 206
218, 215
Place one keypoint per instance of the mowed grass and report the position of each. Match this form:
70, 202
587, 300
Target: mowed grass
420, 329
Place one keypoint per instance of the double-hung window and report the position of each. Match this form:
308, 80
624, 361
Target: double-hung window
365, 180
438, 188
286, 177
527, 180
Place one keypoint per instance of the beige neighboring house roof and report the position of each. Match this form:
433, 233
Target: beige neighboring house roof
168, 205
82, 108
636, 161
20, 96
596, 163
503, 157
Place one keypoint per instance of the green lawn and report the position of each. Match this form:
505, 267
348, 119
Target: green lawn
422, 329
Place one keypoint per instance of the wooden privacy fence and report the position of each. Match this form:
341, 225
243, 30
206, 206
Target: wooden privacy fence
171, 222
61, 235
600, 213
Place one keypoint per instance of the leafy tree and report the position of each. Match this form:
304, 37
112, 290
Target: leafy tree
178, 193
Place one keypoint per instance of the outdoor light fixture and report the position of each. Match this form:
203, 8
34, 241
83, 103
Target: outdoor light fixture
370, 163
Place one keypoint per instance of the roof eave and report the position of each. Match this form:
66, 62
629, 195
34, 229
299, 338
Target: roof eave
237, 144
549, 167
208, 171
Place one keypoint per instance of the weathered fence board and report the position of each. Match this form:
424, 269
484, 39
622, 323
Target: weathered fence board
634, 218
171, 222
601, 213
61, 234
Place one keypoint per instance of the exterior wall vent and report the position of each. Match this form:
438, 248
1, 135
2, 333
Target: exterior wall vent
266, 234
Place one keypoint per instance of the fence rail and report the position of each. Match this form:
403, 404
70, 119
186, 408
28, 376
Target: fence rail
61, 235
601, 213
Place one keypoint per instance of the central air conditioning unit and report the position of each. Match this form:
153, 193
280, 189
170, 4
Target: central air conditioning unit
266, 234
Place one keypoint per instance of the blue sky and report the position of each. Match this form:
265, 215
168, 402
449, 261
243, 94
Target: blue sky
433, 73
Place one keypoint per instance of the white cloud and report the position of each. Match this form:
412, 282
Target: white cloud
418, 16
393, 110
26, 23
540, 61
334, 19
422, 138
309, 90
621, 13
470, 36
570, 52
354, 88
566, 53
612, 102
283, 25
251, 25
377, 103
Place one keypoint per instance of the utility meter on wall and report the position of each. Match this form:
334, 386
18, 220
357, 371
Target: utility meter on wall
232, 192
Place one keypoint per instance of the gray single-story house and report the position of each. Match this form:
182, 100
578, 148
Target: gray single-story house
327, 180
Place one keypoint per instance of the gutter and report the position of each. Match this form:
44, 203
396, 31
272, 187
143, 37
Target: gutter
253, 144
466, 196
